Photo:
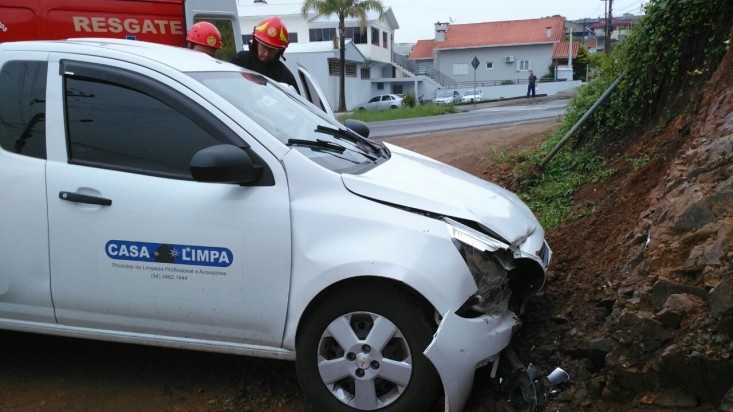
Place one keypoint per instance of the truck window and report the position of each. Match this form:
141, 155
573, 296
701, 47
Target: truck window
228, 45
124, 121
23, 108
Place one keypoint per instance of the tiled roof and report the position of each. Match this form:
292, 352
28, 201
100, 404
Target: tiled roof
423, 49
561, 50
498, 33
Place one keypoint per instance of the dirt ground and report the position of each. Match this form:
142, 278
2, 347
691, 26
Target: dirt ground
42, 373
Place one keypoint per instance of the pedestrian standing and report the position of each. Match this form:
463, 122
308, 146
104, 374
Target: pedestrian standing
531, 85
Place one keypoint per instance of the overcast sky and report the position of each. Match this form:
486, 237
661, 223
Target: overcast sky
416, 17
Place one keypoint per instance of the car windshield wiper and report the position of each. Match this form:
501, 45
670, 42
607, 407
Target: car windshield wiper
318, 144
351, 137
327, 146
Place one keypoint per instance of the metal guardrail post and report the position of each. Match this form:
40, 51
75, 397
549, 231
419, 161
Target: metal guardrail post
580, 122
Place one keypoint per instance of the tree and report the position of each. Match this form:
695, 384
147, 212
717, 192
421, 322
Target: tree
343, 9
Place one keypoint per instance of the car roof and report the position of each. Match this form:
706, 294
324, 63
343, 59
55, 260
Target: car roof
178, 58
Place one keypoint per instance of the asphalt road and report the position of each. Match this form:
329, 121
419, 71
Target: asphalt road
473, 116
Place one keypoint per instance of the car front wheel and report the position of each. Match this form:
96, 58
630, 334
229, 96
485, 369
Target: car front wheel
364, 351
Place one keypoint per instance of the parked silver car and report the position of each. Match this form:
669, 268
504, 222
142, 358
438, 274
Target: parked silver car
382, 102
447, 96
470, 96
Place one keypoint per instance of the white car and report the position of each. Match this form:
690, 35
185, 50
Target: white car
470, 96
159, 196
382, 102
447, 97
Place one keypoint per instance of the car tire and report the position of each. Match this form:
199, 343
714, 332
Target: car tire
341, 367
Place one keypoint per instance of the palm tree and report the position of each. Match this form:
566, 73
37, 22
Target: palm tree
343, 9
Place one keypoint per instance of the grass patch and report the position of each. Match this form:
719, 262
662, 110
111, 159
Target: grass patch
423, 110
550, 195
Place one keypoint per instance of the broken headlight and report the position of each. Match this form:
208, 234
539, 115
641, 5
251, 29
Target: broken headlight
489, 261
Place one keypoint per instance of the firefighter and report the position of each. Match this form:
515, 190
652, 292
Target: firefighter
269, 41
204, 37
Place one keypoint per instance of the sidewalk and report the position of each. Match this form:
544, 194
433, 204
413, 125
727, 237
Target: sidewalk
519, 100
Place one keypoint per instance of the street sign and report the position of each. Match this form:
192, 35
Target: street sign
475, 63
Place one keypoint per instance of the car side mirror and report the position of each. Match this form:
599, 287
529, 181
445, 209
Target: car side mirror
224, 163
358, 126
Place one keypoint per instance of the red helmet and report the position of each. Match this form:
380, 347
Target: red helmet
272, 32
205, 34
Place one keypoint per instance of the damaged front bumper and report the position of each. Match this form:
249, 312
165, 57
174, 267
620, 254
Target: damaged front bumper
461, 345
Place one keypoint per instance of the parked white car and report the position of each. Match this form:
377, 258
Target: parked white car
470, 96
160, 196
447, 97
382, 102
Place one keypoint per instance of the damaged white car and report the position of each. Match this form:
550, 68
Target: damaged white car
162, 197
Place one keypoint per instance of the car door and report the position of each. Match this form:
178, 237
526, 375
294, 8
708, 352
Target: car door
311, 90
385, 102
374, 102
135, 244
25, 291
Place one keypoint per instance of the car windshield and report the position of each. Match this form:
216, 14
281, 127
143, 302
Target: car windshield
445, 94
290, 118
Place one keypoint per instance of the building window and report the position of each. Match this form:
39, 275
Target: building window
326, 34
385, 43
380, 86
489, 65
397, 89
524, 65
355, 34
333, 68
350, 70
365, 73
375, 36
461, 68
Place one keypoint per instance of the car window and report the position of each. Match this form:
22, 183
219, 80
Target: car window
374, 99
23, 108
386, 98
117, 126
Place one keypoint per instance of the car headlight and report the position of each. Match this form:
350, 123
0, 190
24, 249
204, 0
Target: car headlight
488, 260
505, 276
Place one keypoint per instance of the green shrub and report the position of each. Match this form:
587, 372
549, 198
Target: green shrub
409, 99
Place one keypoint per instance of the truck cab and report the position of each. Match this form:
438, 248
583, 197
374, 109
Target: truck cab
156, 21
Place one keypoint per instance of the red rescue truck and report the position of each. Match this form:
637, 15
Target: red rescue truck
158, 21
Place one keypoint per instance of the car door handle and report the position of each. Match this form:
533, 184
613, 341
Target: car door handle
79, 198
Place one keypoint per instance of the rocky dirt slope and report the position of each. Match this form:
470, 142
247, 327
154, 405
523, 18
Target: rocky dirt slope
638, 307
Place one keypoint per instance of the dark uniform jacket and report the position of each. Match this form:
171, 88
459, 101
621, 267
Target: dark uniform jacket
276, 70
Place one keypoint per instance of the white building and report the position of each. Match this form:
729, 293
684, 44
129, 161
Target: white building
314, 45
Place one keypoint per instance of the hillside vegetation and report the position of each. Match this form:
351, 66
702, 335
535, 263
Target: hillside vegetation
638, 306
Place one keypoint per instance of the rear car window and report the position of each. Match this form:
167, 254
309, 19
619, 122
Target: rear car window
23, 108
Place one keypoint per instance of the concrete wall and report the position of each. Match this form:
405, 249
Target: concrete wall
519, 90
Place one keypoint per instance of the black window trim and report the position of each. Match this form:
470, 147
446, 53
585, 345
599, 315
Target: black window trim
142, 84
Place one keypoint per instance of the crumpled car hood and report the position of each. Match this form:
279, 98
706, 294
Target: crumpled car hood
412, 180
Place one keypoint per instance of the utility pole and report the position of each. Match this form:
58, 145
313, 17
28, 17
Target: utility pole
609, 19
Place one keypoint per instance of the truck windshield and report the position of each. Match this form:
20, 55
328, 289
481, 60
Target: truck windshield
289, 117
